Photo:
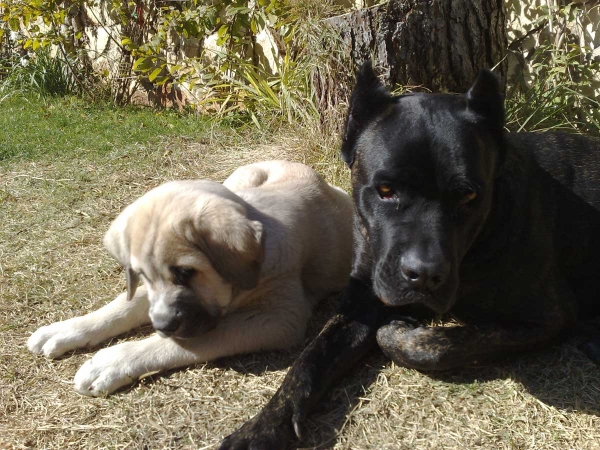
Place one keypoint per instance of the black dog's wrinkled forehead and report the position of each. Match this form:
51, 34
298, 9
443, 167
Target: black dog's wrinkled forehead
423, 137
436, 136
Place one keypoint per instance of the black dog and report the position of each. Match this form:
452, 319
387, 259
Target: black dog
452, 215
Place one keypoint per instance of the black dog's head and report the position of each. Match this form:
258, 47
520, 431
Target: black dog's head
423, 170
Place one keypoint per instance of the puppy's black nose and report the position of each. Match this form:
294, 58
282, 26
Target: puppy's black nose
420, 274
166, 325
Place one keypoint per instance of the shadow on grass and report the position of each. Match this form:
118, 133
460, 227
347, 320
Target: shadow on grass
560, 376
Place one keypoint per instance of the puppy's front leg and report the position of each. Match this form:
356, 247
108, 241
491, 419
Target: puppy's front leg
442, 348
240, 332
113, 319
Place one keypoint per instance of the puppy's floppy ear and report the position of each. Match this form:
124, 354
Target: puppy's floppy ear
133, 280
485, 100
233, 243
117, 242
368, 100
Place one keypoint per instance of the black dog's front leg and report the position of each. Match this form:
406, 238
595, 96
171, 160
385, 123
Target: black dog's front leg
346, 338
442, 348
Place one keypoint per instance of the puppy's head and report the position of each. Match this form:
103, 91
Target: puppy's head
194, 247
423, 171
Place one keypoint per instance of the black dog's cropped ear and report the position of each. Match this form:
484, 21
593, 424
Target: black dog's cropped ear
369, 99
485, 100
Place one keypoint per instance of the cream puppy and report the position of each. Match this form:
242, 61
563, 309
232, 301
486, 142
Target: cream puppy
226, 268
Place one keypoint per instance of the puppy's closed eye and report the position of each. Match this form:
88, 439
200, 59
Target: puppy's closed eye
182, 275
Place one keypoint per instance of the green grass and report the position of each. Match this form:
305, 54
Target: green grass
55, 126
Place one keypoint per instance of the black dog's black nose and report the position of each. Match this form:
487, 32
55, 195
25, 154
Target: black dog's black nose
421, 274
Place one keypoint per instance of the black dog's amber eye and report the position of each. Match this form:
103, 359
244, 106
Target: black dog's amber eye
385, 191
468, 197
182, 275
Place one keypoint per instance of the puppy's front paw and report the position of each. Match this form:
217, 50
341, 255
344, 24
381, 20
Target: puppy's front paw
107, 371
56, 339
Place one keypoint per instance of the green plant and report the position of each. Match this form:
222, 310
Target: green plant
47, 50
256, 92
565, 79
234, 81
42, 73
289, 92
228, 79
555, 101
236, 23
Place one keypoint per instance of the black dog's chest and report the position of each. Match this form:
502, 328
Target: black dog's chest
494, 305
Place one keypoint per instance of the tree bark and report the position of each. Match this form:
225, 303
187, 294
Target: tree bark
438, 45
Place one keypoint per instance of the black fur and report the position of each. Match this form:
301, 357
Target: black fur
499, 230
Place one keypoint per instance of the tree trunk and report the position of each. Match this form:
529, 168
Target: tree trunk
439, 45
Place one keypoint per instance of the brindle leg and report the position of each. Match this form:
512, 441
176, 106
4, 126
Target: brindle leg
346, 338
442, 348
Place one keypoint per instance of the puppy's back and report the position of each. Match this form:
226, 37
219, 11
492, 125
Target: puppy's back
311, 219
270, 173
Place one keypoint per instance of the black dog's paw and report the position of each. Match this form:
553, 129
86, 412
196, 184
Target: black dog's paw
401, 321
269, 430
394, 330
417, 348
392, 338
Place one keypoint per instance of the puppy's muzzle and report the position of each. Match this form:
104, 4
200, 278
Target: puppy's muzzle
167, 324
182, 321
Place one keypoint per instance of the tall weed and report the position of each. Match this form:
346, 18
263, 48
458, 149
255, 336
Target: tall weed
565, 77
561, 96
41, 74
290, 91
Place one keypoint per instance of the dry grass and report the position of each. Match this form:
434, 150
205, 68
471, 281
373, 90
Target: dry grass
52, 267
